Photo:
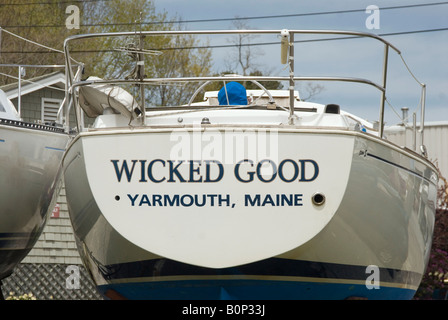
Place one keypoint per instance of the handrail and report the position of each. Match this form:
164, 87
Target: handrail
157, 81
230, 77
204, 32
71, 85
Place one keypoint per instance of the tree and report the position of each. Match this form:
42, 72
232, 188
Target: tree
312, 90
176, 63
44, 22
244, 62
272, 84
35, 22
243, 58
178, 57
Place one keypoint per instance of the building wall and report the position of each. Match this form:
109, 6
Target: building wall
435, 139
57, 243
436, 142
32, 103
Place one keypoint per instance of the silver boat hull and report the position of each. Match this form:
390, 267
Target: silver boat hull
30, 176
368, 234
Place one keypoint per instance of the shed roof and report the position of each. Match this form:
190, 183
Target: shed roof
54, 80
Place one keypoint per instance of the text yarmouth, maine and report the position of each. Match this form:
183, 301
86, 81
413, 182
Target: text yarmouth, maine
157, 171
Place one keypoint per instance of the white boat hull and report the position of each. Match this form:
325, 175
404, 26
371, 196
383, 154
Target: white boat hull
30, 175
150, 226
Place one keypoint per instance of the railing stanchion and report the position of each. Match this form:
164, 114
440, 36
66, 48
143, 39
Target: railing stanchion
383, 93
291, 78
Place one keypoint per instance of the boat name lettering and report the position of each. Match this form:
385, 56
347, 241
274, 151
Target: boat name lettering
206, 171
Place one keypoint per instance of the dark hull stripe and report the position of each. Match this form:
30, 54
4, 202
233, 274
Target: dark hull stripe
268, 267
418, 174
249, 290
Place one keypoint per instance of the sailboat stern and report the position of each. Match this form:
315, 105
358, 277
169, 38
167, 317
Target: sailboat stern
208, 211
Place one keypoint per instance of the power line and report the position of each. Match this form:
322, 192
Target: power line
235, 45
310, 13
231, 19
27, 40
49, 3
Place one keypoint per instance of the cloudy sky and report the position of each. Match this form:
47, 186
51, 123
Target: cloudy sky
426, 52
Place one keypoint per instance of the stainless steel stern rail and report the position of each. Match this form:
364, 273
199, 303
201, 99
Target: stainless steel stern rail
72, 84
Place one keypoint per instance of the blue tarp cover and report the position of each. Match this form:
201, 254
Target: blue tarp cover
236, 93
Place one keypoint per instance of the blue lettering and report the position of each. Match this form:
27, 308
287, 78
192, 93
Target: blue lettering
268, 200
251, 202
212, 198
156, 199
186, 204
174, 171
295, 168
133, 199
285, 199
316, 170
142, 168
186, 200
274, 170
279, 200
124, 167
174, 201
144, 200
194, 170
207, 171
212, 171
225, 200
150, 175
237, 171
204, 200
298, 200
